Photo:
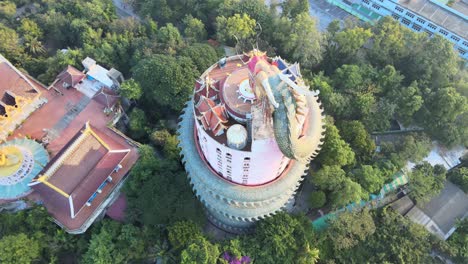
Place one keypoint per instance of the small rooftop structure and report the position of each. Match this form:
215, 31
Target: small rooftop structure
237, 136
98, 78
70, 77
115, 76
439, 216
88, 63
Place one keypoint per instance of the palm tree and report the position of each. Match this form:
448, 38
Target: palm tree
35, 46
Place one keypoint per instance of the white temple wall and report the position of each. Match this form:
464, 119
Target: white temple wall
263, 164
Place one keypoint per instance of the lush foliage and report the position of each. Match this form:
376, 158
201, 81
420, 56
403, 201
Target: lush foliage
370, 79
459, 176
426, 182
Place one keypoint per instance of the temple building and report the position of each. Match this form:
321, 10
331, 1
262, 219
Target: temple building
247, 136
58, 146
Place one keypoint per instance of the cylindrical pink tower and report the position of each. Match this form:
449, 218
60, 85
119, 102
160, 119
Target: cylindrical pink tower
247, 136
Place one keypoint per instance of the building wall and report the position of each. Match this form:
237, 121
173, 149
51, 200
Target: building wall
261, 165
230, 206
405, 16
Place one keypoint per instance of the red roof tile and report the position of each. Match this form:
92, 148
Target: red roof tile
214, 118
14, 81
70, 76
88, 186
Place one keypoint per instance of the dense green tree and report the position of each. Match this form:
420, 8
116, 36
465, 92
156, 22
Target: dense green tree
378, 119
351, 40
317, 199
432, 69
19, 249
358, 92
115, 50
408, 101
335, 151
7, 9
10, 46
292, 8
201, 251
256, 9
138, 123
183, 233
413, 147
30, 29
345, 193
304, 41
459, 176
115, 243
349, 229
391, 43
358, 138
282, 239
157, 9
441, 109
194, 29
405, 242
328, 177
240, 27
170, 38
457, 242
370, 178
342, 190
164, 81
168, 143
426, 181
158, 192
202, 55
342, 47
130, 89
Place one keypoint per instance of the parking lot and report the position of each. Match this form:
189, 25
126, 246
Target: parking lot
326, 13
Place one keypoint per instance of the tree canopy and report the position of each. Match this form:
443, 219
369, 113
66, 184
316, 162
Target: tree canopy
164, 81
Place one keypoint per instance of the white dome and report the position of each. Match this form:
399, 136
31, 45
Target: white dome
237, 136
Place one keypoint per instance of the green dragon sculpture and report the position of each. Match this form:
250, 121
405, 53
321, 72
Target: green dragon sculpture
291, 104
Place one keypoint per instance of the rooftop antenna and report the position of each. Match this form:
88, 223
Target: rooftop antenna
237, 43
259, 32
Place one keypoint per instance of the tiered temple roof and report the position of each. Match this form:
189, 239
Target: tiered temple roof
79, 173
212, 116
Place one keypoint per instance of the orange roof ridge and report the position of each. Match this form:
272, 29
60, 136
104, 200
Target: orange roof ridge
213, 119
